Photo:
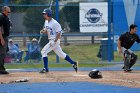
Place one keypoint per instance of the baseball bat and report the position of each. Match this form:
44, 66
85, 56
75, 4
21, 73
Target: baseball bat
43, 27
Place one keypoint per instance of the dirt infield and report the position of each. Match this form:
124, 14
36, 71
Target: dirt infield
120, 78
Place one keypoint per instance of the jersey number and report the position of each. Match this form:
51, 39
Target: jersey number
51, 32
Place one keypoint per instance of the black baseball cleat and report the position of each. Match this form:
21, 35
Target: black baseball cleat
44, 70
75, 66
127, 70
3, 72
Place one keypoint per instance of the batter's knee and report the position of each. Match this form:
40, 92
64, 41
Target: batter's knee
61, 55
43, 53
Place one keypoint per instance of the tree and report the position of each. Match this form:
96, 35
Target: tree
33, 19
70, 14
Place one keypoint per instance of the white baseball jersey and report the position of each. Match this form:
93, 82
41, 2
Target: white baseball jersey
53, 27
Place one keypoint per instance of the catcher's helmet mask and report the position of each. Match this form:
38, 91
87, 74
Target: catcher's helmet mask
95, 74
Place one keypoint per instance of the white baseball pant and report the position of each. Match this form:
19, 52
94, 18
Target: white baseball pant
55, 46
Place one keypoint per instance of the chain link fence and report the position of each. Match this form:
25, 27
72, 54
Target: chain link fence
27, 21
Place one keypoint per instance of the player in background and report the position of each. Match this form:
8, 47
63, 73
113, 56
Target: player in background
4, 34
125, 42
53, 29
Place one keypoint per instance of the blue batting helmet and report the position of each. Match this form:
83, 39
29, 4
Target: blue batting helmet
48, 12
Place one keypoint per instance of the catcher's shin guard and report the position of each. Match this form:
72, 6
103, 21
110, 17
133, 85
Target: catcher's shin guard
126, 60
133, 60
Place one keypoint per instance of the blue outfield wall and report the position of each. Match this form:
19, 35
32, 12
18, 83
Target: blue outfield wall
125, 12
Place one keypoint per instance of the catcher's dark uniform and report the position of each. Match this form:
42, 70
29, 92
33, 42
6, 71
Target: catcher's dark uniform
127, 40
5, 25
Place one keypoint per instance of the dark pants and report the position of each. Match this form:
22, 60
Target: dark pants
3, 51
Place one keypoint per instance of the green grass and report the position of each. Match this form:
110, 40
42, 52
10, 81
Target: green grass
85, 54
81, 53
58, 65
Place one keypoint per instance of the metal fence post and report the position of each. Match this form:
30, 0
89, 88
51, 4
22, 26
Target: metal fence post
57, 15
109, 30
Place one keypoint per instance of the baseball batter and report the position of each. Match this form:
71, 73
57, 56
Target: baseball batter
53, 29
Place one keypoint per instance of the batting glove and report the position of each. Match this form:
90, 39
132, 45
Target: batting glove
41, 31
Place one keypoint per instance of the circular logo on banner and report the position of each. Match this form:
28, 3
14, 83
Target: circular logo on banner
93, 15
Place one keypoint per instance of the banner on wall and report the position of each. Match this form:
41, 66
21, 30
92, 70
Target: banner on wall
93, 17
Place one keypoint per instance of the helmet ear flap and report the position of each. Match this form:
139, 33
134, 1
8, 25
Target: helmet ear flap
95, 74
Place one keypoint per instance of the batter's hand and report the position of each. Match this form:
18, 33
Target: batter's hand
43, 32
52, 43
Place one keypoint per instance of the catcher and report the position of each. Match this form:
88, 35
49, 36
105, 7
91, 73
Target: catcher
125, 42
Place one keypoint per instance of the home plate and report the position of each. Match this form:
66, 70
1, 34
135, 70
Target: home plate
80, 75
